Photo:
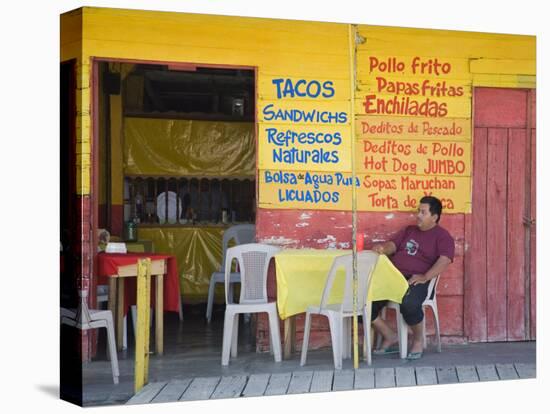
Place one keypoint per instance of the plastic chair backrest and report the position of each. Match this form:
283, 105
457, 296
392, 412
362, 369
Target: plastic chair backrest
432, 288
366, 262
82, 312
241, 233
253, 260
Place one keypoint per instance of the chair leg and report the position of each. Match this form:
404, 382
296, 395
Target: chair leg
235, 336
227, 336
305, 341
335, 325
424, 341
275, 334
367, 354
210, 301
111, 346
437, 332
402, 332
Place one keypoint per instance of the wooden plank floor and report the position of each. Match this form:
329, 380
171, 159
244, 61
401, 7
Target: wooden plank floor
324, 381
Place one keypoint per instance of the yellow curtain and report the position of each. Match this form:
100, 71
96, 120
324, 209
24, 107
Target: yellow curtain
198, 251
188, 147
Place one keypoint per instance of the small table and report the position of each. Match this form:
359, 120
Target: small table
117, 268
301, 276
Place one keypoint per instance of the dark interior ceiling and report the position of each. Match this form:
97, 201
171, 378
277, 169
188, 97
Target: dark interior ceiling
204, 90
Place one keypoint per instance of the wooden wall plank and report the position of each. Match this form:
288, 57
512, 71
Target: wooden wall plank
451, 315
497, 140
244, 35
445, 43
476, 276
516, 235
499, 107
504, 66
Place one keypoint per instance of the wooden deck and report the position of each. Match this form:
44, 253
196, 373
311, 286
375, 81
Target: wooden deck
299, 382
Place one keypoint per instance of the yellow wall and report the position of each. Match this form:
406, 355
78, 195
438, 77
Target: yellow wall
315, 54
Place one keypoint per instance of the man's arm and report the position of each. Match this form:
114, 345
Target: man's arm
388, 248
439, 266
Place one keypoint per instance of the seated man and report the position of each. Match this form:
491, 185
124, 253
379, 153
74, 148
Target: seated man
420, 253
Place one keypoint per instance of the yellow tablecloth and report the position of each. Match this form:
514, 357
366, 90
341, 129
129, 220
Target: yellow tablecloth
301, 276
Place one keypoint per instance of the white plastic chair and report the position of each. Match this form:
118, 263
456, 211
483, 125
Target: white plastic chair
84, 319
340, 315
253, 260
242, 234
402, 327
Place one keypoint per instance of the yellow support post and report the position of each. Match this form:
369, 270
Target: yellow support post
352, 34
141, 372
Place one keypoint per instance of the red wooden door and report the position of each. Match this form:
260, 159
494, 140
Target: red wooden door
500, 232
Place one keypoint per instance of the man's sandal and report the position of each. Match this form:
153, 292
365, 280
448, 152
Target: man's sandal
394, 349
414, 355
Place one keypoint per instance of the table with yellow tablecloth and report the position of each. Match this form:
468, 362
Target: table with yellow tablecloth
301, 276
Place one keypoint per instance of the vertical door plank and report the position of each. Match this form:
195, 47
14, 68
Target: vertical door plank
533, 246
516, 234
475, 284
497, 142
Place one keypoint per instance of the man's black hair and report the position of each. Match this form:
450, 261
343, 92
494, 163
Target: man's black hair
435, 205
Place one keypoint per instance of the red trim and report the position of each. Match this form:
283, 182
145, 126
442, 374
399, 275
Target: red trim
256, 140
94, 176
183, 67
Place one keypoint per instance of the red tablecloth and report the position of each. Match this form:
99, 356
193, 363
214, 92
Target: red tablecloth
108, 264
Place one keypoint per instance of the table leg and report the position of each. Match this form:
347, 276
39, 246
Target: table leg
120, 312
289, 342
159, 314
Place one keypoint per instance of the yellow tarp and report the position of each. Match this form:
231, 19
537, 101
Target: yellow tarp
301, 276
188, 147
198, 251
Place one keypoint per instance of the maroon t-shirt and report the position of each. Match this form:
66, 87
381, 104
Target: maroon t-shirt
418, 250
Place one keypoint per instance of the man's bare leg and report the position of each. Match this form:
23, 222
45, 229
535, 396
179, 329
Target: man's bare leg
417, 345
389, 337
